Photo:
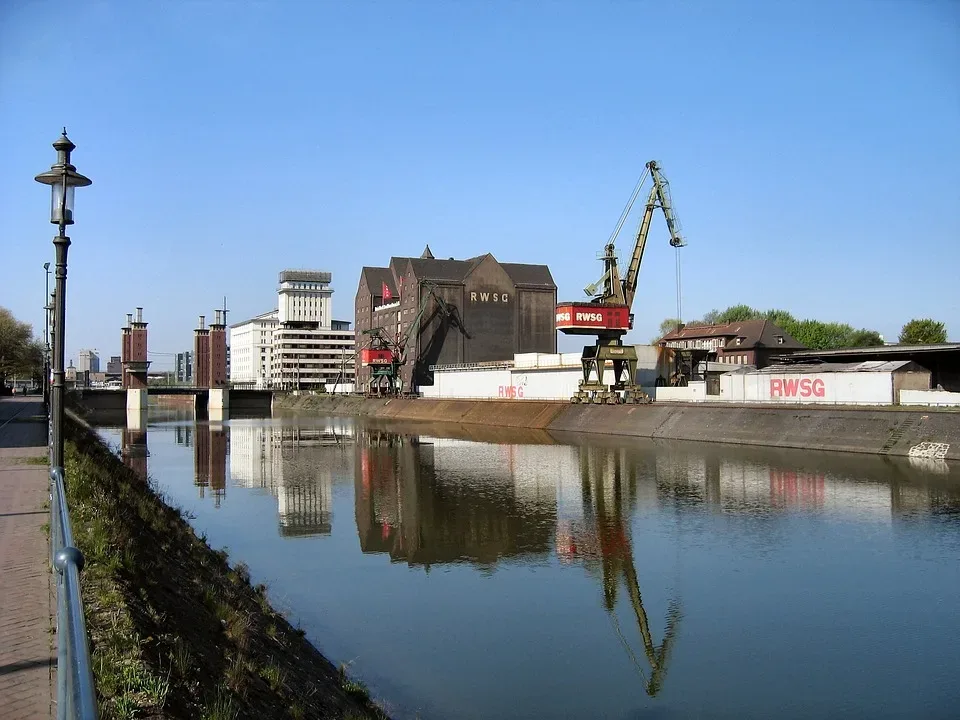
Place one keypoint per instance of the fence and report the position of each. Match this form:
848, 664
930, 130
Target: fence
76, 696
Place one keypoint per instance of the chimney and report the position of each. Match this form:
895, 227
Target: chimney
201, 326
216, 315
129, 319
139, 314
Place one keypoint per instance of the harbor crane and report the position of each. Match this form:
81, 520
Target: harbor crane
608, 314
386, 356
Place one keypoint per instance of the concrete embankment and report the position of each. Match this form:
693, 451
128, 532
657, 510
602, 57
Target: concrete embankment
892, 431
175, 631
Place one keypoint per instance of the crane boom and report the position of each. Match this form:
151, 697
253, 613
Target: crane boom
608, 314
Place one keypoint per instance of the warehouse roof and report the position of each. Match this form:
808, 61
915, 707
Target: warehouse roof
881, 350
428, 267
815, 367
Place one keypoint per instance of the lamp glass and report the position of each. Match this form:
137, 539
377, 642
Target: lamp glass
56, 195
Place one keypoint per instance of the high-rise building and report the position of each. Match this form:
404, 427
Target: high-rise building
297, 346
88, 361
184, 367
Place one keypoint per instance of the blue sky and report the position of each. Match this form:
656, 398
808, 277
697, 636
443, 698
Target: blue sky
813, 150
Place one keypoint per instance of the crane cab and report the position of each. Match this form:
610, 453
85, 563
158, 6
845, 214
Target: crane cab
584, 318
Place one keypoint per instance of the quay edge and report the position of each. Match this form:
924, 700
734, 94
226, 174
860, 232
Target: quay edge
880, 431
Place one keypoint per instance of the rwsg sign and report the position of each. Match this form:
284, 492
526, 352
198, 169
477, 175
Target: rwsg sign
802, 387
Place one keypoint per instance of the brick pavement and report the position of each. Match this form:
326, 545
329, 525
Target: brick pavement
27, 643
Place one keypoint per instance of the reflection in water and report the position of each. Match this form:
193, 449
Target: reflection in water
210, 460
602, 536
558, 531
427, 501
133, 450
297, 464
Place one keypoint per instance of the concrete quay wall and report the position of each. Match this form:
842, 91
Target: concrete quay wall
930, 433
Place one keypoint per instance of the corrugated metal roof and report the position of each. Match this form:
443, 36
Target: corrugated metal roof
881, 350
867, 366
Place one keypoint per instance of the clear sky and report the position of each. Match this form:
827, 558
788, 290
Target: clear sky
813, 150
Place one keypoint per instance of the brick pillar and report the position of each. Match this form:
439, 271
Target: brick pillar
125, 351
135, 364
218, 352
201, 355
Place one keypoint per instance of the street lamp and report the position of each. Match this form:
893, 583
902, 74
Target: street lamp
63, 178
46, 341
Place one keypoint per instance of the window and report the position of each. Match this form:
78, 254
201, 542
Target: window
779, 339
739, 340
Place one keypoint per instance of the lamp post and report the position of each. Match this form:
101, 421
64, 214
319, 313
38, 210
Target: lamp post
63, 178
46, 341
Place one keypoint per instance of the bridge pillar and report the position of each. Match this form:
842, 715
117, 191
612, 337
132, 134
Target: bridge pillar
133, 356
137, 409
218, 404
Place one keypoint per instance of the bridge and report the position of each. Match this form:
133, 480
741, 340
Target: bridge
211, 387
107, 400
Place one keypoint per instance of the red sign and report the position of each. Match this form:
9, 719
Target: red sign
797, 387
372, 356
387, 295
591, 316
511, 392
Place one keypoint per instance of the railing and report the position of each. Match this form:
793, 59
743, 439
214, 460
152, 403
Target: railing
76, 696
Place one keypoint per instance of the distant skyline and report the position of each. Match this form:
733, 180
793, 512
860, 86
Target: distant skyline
813, 151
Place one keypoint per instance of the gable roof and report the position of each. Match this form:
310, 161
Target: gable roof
524, 274
753, 334
430, 268
374, 278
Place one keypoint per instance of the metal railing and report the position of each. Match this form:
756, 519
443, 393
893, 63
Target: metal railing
76, 696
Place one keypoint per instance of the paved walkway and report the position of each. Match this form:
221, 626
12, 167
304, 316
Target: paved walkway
27, 643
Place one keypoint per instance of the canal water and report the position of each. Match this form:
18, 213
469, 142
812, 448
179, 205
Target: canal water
494, 573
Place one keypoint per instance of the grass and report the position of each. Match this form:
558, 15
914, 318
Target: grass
36, 460
175, 632
273, 675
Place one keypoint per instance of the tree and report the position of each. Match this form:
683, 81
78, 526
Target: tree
15, 341
923, 331
866, 338
667, 326
738, 313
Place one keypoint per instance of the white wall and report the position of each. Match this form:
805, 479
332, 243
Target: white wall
935, 398
693, 392
847, 388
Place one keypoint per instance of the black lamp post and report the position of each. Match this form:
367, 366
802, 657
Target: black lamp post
63, 178
46, 340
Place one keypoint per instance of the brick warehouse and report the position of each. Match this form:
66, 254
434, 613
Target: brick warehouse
500, 309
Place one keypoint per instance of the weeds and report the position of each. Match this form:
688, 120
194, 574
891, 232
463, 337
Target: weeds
356, 688
274, 676
222, 707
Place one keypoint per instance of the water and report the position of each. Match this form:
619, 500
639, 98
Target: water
494, 573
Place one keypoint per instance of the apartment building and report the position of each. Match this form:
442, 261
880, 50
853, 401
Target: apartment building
298, 346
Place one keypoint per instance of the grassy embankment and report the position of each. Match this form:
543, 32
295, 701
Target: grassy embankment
175, 631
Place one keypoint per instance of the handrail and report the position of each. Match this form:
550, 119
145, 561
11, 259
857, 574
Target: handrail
76, 696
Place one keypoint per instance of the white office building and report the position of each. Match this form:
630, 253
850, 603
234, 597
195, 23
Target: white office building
298, 346
88, 361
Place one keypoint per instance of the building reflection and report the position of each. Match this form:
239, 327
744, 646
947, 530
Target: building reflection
133, 450
297, 465
210, 460
426, 501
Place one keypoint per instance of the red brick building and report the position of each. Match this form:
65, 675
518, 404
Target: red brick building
749, 342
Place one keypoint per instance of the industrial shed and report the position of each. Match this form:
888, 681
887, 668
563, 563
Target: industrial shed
874, 382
